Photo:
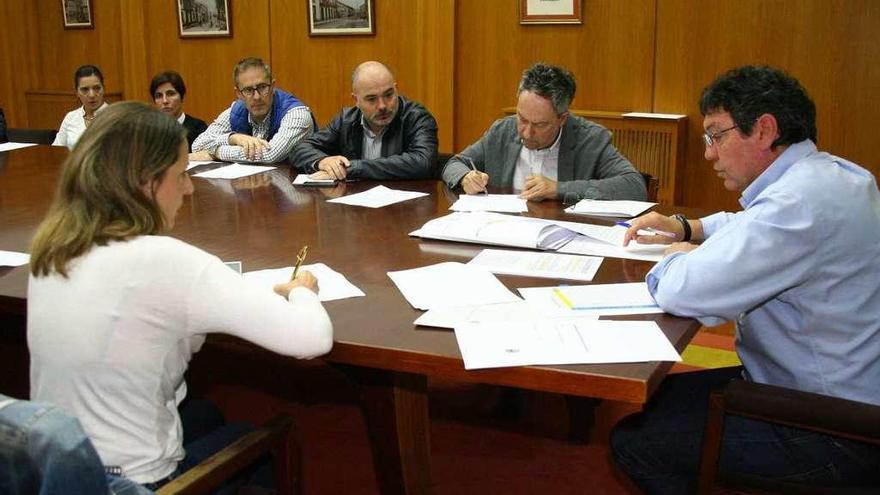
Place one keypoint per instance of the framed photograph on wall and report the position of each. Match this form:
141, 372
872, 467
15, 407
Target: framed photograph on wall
77, 14
204, 18
341, 17
550, 12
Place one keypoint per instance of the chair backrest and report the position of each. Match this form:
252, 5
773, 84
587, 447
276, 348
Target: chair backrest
38, 136
44, 451
652, 185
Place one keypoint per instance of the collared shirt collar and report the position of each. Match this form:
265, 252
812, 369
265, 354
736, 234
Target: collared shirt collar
369, 132
780, 165
181, 118
104, 105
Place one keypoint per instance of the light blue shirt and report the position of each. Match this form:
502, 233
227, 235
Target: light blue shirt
799, 272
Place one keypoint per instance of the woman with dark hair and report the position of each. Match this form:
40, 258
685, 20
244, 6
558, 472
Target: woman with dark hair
168, 91
89, 84
116, 310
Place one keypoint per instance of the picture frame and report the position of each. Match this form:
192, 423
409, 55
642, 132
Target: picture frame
341, 17
550, 12
77, 14
204, 18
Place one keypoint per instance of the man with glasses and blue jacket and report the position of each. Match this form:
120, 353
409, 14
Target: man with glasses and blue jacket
262, 126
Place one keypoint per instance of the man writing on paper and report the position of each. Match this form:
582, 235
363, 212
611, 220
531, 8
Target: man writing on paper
797, 270
545, 152
262, 126
383, 137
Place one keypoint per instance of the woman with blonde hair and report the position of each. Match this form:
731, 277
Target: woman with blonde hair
116, 310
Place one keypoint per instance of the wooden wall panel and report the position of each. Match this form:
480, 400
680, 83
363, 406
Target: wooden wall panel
413, 37
19, 58
833, 48
205, 63
63, 50
611, 56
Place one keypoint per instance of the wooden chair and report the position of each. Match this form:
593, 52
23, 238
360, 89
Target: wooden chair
274, 437
652, 185
820, 413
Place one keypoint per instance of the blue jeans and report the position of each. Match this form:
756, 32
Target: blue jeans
660, 448
44, 451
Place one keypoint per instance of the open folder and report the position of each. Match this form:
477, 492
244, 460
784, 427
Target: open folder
497, 229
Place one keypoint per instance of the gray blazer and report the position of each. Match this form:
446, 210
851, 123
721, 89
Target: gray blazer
589, 165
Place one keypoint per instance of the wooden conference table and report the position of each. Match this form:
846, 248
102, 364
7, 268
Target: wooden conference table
263, 221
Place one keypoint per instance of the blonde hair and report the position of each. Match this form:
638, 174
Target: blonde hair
100, 196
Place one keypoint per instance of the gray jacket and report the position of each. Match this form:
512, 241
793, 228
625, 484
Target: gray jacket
589, 165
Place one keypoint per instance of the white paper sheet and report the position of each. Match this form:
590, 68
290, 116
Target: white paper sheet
594, 247
233, 171
599, 208
597, 299
377, 197
14, 258
332, 285
518, 311
450, 285
507, 203
15, 146
532, 264
195, 163
574, 341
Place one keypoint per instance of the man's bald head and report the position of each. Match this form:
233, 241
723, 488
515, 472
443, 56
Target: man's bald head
375, 93
368, 71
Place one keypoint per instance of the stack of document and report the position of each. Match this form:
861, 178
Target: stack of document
601, 240
599, 299
601, 208
544, 265
569, 341
497, 229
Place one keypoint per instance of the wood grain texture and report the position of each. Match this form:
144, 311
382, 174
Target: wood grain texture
831, 47
413, 37
610, 55
205, 63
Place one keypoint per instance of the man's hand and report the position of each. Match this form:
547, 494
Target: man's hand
201, 156
253, 147
335, 167
475, 182
303, 279
657, 221
538, 188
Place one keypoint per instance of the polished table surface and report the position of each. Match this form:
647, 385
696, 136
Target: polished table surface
263, 221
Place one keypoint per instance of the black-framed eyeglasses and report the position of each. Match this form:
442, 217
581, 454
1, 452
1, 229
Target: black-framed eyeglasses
710, 139
263, 89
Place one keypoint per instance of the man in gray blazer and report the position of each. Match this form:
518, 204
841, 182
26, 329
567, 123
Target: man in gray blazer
543, 152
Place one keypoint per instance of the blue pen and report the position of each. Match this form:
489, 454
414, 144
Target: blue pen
652, 230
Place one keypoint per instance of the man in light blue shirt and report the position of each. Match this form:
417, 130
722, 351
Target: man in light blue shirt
798, 270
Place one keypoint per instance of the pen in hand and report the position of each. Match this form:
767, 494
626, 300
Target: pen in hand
299, 260
652, 230
470, 162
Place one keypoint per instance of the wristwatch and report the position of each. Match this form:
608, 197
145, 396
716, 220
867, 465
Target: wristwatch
685, 225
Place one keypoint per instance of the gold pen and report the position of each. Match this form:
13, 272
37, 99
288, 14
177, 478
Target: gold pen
299, 260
